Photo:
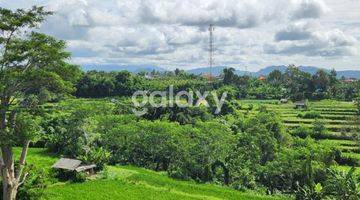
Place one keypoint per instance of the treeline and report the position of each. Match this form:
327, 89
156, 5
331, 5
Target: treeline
106, 84
293, 84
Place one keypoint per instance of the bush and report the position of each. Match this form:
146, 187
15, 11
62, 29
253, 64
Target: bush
310, 115
343, 185
302, 132
73, 176
33, 187
96, 155
319, 129
80, 177
314, 192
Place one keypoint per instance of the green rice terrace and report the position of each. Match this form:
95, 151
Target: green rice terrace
338, 118
128, 182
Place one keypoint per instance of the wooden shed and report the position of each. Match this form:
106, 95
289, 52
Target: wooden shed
73, 165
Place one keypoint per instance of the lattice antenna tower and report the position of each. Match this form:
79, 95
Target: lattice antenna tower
211, 48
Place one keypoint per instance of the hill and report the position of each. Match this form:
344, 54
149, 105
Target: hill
114, 67
310, 69
267, 70
217, 70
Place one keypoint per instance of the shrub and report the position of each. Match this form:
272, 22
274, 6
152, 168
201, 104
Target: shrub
319, 129
302, 131
33, 187
96, 155
65, 175
310, 115
314, 192
343, 185
80, 177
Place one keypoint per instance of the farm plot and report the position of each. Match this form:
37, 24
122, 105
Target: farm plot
337, 117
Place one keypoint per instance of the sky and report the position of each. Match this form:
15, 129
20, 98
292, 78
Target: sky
174, 33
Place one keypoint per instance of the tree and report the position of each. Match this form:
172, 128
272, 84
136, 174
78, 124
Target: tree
298, 83
29, 62
357, 104
275, 77
321, 82
229, 75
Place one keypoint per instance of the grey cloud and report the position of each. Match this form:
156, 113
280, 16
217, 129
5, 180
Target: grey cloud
312, 50
240, 14
294, 32
322, 43
310, 9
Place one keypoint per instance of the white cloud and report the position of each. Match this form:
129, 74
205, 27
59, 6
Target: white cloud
173, 33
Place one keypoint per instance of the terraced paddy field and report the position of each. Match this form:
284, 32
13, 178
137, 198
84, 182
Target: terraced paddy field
127, 182
339, 118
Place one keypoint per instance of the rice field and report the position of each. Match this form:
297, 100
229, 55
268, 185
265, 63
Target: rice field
338, 117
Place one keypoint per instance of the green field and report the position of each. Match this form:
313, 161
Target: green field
127, 182
337, 116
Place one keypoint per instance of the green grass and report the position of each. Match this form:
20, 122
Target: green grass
38, 157
127, 182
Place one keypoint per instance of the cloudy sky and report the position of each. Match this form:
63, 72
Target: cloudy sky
173, 33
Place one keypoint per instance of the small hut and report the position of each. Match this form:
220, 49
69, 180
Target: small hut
300, 104
283, 100
74, 165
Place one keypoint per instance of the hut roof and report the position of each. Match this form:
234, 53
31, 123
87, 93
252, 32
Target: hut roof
300, 103
66, 163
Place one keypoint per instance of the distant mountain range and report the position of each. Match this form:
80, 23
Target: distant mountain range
215, 70
114, 67
267, 70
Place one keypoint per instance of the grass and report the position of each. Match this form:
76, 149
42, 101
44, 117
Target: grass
127, 182
38, 157
337, 116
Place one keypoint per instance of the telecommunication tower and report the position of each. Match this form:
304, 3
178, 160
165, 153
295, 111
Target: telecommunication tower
211, 48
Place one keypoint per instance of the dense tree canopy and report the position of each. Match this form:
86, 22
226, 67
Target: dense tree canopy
30, 64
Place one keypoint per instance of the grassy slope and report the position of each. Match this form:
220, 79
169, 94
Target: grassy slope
126, 182
38, 157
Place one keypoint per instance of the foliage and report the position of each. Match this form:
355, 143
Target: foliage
319, 129
341, 185
34, 185
310, 115
357, 104
310, 193
96, 155
302, 131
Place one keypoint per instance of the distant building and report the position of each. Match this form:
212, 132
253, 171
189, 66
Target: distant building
300, 104
283, 100
349, 80
262, 78
149, 76
208, 77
